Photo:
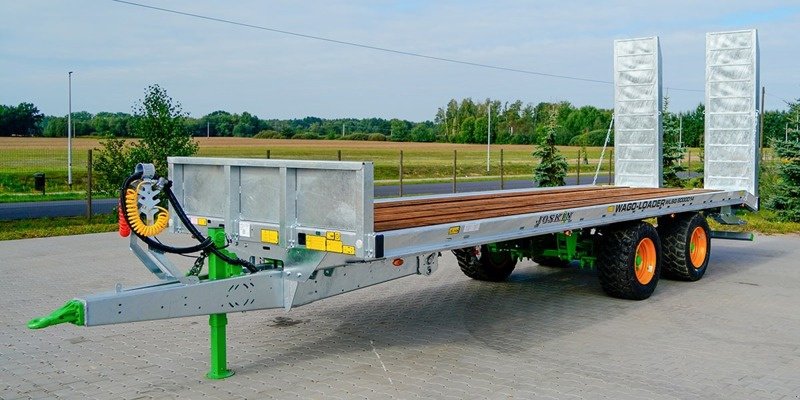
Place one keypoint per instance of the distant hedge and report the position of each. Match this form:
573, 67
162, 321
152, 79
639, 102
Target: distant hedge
594, 138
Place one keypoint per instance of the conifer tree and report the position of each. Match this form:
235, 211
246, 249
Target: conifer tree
552, 168
673, 151
786, 199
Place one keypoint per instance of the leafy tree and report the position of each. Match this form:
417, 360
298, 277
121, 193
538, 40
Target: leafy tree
55, 127
160, 124
24, 119
552, 168
400, 131
786, 199
673, 152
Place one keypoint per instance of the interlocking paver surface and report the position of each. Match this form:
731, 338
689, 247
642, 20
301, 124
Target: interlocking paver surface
546, 333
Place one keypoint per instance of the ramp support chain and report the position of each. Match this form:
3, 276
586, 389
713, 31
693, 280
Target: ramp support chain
219, 269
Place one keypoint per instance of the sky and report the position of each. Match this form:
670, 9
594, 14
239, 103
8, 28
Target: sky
116, 50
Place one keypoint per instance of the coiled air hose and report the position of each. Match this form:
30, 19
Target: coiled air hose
206, 244
134, 216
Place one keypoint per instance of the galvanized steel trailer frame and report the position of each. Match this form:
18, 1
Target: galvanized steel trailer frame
314, 220
311, 273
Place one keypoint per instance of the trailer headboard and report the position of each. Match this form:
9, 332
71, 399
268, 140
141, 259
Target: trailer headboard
257, 200
732, 101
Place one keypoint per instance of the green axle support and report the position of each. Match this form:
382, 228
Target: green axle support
566, 246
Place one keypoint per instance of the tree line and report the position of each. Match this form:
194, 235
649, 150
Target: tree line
464, 121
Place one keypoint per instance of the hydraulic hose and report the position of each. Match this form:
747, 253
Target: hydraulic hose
193, 230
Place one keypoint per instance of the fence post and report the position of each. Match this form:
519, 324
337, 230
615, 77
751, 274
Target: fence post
610, 166
268, 154
89, 186
502, 183
579, 167
339, 154
401, 173
455, 163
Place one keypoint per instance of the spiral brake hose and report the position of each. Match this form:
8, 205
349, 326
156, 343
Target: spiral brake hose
206, 244
137, 224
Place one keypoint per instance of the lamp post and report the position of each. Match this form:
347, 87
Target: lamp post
69, 134
488, 134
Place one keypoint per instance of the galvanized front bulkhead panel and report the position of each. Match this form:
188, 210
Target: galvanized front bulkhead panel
732, 98
269, 207
637, 112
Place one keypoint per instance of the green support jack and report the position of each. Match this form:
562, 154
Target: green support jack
219, 269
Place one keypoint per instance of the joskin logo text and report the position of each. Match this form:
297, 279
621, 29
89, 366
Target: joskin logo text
562, 217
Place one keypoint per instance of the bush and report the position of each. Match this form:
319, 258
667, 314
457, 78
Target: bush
377, 137
355, 136
307, 136
595, 138
269, 134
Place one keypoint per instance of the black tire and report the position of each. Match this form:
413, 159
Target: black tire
617, 260
677, 247
493, 267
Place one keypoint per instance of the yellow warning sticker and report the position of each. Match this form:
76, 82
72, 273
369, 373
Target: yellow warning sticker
454, 230
316, 242
334, 246
610, 208
269, 236
349, 250
202, 221
333, 235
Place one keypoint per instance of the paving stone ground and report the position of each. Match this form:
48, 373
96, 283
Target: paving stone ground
546, 333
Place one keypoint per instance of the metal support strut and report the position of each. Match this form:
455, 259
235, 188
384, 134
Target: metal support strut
218, 269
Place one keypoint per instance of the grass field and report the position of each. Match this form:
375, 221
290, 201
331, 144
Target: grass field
21, 157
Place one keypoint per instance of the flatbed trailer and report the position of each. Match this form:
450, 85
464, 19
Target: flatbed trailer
284, 233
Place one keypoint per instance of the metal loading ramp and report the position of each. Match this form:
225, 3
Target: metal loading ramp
404, 214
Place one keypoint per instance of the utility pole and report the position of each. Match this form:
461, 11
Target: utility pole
761, 124
342, 129
680, 136
69, 133
488, 134
208, 129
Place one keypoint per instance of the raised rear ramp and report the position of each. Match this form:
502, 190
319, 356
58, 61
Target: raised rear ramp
732, 99
637, 113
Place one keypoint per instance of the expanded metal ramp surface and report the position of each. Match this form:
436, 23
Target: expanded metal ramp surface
411, 213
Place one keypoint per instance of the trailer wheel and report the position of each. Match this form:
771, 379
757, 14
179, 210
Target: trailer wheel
629, 260
484, 265
687, 247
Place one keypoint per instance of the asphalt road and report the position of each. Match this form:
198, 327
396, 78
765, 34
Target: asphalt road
546, 333
72, 208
